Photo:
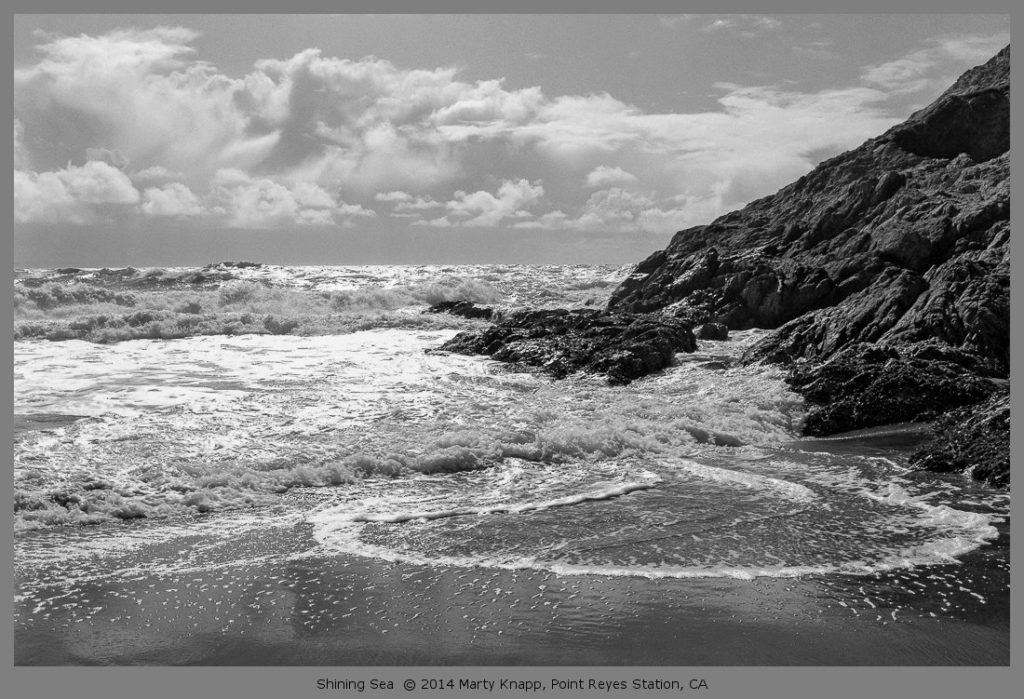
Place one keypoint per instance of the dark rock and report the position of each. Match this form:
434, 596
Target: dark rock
902, 242
974, 440
863, 317
713, 331
623, 346
466, 309
867, 385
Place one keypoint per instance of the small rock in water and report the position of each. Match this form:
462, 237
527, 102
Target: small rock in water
622, 346
466, 309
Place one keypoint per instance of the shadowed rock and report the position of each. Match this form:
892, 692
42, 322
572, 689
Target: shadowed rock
713, 331
622, 346
974, 439
466, 309
869, 385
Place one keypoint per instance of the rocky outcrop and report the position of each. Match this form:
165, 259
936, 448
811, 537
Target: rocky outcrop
885, 271
869, 385
975, 439
621, 346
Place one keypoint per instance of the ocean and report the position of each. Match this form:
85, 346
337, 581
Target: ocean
258, 464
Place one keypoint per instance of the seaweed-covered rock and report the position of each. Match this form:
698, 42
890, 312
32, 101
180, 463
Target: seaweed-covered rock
622, 346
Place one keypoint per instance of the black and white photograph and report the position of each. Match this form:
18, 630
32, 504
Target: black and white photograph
511, 340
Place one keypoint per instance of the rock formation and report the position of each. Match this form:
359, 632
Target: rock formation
973, 439
622, 346
885, 271
466, 309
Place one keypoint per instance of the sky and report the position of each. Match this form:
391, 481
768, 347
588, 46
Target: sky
342, 139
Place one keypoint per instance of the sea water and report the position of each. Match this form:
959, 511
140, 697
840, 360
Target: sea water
172, 422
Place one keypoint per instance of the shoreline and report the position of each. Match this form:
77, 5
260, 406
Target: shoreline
322, 609
270, 595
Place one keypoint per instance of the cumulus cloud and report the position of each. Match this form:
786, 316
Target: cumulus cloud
279, 145
44, 197
602, 176
138, 93
156, 173
615, 210
263, 203
405, 203
97, 182
110, 157
481, 208
396, 197
174, 199
72, 194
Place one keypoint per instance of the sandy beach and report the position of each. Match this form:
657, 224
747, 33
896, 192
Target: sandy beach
351, 611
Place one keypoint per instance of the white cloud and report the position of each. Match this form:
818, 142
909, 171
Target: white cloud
932, 66
97, 182
972, 49
264, 203
70, 194
487, 210
602, 176
174, 199
110, 157
141, 95
260, 204
44, 197
284, 143
613, 208
616, 210
405, 204
156, 173
906, 74
393, 196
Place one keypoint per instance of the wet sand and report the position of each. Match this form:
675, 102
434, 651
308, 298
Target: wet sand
267, 603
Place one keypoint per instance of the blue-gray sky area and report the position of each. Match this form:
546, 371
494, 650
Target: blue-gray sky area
163, 140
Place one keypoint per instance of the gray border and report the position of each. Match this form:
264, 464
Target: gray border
933, 683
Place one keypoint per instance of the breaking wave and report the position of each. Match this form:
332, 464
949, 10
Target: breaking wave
246, 298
